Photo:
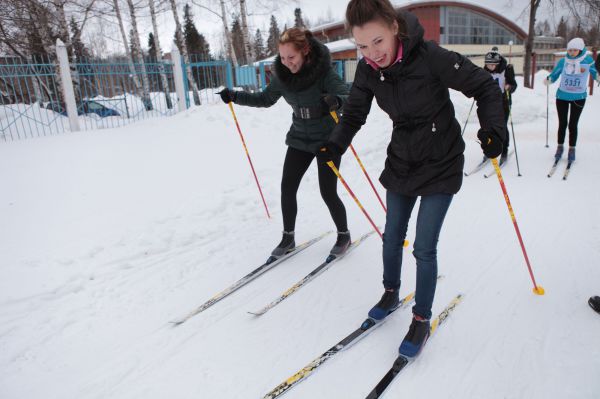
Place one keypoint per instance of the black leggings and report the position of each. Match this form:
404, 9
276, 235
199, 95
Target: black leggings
295, 165
562, 107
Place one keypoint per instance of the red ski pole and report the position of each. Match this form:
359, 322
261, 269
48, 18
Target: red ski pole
249, 160
337, 173
336, 119
536, 288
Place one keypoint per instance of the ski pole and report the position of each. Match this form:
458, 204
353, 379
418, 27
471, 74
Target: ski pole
536, 288
336, 119
249, 160
512, 128
547, 100
467, 121
337, 173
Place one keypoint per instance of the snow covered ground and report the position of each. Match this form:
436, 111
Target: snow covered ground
109, 235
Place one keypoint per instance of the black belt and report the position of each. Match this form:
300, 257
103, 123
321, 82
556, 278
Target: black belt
308, 112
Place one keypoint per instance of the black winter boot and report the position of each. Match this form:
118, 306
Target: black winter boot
415, 339
386, 305
286, 245
342, 243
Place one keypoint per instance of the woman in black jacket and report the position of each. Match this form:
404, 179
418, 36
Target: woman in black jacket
303, 76
409, 78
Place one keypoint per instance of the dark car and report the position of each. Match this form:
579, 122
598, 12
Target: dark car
86, 107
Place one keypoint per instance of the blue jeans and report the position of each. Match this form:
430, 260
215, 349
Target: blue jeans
429, 223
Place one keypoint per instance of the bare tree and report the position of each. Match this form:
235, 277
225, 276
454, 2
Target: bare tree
223, 17
136, 81
135, 41
184, 52
158, 55
533, 7
245, 33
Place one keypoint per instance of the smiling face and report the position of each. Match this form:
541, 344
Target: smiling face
291, 57
377, 41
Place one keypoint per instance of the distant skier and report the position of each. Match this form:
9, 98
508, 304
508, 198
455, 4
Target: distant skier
574, 71
504, 74
409, 78
303, 76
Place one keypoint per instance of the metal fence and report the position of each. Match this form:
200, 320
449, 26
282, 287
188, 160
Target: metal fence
114, 92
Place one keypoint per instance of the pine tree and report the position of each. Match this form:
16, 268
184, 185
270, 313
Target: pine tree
259, 46
298, 22
562, 29
273, 39
196, 43
78, 47
151, 47
238, 41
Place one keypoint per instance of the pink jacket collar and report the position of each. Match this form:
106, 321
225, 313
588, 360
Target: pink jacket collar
398, 58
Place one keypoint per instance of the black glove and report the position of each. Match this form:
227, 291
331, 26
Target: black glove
330, 103
227, 95
329, 152
491, 144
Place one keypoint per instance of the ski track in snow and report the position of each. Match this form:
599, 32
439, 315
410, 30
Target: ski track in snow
112, 234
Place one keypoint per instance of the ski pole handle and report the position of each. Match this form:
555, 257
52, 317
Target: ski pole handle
536, 288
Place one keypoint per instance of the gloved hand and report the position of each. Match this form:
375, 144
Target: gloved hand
547, 82
329, 152
330, 103
491, 144
227, 95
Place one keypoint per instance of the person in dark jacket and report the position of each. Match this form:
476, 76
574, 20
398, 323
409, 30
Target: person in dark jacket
409, 78
504, 74
303, 76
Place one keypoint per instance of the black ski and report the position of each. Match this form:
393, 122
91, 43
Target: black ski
311, 276
567, 170
553, 168
479, 166
268, 265
401, 362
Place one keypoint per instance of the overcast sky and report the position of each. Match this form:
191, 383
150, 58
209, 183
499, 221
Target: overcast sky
313, 10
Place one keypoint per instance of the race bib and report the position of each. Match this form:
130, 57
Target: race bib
573, 81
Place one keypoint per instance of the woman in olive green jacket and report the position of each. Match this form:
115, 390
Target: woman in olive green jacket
303, 76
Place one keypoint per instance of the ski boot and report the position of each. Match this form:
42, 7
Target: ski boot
571, 154
341, 245
386, 305
559, 152
594, 303
287, 244
415, 339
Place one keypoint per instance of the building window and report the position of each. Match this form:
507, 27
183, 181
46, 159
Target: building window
462, 26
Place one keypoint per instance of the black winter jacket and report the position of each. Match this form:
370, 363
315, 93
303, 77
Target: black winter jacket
315, 79
509, 78
425, 155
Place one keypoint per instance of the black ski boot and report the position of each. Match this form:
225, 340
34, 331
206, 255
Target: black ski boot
286, 245
559, 151
415, 339
342, 243
386, 305
594, 303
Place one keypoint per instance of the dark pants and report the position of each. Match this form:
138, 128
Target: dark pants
431, 215
506, 105
295, 165
562, 107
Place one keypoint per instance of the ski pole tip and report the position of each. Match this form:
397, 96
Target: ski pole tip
539, 290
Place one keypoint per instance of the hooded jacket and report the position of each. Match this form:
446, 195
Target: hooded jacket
425, 154
315, 79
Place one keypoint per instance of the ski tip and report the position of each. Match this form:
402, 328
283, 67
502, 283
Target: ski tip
539, 290
256, 313
176, 323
